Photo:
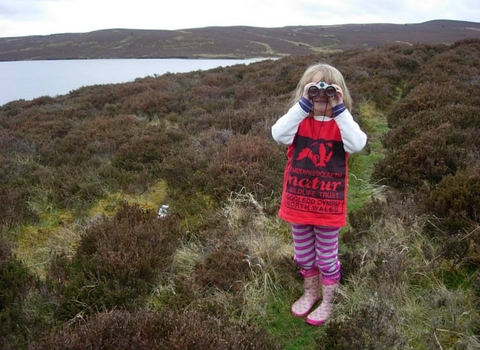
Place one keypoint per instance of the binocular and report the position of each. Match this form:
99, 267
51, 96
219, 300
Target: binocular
328, 90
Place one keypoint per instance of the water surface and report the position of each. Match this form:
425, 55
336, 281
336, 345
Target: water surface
31, 79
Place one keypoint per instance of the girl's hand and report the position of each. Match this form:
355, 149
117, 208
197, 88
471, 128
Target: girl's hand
338, 98
305, 90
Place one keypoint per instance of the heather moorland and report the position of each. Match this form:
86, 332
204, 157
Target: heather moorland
85, 263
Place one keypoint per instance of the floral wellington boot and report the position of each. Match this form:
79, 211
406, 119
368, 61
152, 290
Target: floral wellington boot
311, 282
323, 312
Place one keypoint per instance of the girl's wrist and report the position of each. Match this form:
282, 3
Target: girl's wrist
305, 104
338, 109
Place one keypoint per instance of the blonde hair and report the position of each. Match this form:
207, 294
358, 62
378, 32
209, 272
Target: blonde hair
330, 75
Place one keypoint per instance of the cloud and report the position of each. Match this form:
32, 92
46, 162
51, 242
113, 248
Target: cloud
393, 11
43, 17
20, 9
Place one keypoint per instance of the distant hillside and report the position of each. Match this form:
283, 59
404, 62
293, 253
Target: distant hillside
231, 42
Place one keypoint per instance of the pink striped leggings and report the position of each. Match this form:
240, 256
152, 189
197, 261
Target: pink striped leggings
317, 246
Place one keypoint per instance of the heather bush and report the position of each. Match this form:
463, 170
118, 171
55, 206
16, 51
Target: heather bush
184, 168
455, 202
145, 151
461, 119
371, 325
432, 96
18, 174
95, 139
68, 187
377, 75
448, 78
224, 269
151, 330
434, 125
246, 162
99, 95
151, 103
115, 263
13, 209
363, 219
425, 159
456, 63
18, 318
240, 121
217, 162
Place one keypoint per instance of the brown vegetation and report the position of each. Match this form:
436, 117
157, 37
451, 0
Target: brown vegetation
86, 263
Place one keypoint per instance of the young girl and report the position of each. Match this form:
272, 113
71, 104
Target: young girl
320, 133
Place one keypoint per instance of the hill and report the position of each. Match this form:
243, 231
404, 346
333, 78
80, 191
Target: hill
231, 42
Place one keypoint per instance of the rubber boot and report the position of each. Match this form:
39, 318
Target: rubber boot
311, 282
323, 312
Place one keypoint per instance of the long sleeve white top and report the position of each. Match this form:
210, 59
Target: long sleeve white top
285, 129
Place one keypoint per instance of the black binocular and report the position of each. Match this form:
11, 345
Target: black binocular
328, 90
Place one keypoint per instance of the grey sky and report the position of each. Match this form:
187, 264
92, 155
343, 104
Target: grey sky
44, 17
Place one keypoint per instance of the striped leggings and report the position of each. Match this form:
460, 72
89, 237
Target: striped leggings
317, 246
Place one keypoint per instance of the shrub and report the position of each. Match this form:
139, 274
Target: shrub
377, 75
246, 162
13, 209
433, 96
115, 263
460, 132
224, 269
184, 168
425, 159
372, 325
150, 330
17, 321
456, 201
455, 215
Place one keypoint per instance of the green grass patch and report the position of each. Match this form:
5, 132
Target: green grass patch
293, 332
361, 164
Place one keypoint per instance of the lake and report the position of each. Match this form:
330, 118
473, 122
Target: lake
31, 79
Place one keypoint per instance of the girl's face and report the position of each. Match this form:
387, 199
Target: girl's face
321, 105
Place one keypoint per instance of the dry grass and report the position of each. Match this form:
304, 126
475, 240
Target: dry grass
397, 271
